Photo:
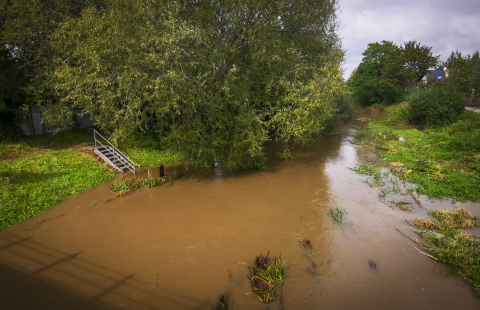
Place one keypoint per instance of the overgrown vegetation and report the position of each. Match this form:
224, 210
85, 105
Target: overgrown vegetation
266, 277
135, 183
442, 161
443, 241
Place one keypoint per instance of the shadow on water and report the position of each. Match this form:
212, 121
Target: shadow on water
35, 276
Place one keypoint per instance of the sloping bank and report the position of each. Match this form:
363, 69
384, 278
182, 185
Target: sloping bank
441, 162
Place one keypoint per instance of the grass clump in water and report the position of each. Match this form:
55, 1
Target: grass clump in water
374, 174
129, 184
337, 215
307, 245
224, 303
445, 243
266, 277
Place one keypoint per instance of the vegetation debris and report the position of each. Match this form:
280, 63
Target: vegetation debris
266, 277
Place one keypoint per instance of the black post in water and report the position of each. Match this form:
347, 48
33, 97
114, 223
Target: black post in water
161, 171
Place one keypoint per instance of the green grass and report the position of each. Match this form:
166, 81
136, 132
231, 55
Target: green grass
443, 162
147, 152
33, 143
445, 243
43, 179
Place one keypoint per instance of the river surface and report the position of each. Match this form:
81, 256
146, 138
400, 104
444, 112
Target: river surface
181, 247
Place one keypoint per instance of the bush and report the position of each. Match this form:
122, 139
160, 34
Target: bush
434, 107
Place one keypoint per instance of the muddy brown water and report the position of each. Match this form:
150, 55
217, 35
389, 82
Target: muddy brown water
180, 247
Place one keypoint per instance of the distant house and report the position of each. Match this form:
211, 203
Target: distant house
434, 75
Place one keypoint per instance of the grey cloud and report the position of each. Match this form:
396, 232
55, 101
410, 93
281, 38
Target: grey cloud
444, 25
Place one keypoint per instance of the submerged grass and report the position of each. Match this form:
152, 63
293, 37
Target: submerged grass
135, 183
337, 215
307, 245
224, 303
266, 277
443, 241
374, 175
443, 162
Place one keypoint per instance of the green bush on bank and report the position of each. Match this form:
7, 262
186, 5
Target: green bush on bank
434, 107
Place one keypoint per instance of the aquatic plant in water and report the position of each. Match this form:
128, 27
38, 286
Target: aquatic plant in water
336, 215
307, 245
266, 277
224, 303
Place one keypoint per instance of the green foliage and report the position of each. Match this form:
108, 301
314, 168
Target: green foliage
41, 180
443, 162
211, 79
387, 71
464, 74
435, 107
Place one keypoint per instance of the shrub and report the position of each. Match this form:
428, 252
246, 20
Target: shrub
434, 107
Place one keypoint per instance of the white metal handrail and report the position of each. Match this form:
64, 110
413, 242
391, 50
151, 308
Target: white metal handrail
127, 161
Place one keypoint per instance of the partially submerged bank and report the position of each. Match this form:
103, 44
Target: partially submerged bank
39, 172
441, 162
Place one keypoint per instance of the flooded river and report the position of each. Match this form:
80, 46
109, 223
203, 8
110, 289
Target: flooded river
181, 247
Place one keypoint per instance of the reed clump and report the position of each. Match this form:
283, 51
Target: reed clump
266, 277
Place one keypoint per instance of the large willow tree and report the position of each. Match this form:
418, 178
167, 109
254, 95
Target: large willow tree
215, 78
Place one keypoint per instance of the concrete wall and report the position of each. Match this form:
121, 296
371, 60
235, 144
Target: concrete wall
34, 123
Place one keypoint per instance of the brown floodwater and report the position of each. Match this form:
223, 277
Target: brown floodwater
181, 247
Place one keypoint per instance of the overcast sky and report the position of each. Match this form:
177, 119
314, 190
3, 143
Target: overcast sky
445, 25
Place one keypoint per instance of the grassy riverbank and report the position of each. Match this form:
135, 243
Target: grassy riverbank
39, 172
443, 162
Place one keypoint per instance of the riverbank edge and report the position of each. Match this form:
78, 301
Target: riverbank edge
444, 241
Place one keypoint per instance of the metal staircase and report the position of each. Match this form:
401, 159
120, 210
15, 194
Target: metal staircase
111, 155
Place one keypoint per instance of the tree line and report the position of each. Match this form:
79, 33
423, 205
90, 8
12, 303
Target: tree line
210, 79
389, 72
